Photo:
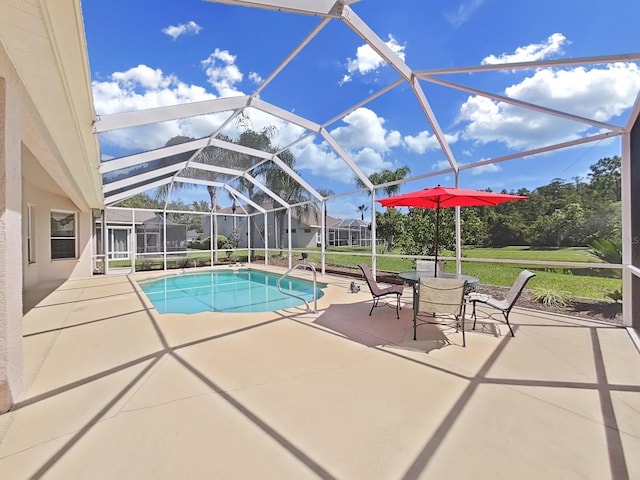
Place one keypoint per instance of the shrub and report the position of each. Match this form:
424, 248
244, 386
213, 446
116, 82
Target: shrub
615, 295
205, 244
552, 298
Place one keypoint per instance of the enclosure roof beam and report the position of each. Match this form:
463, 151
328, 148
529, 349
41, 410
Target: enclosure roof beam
208, 183
214, 168
108, 200
537, 151
317, 7
375, 42
143, 177
520, 103
117, 121
266, 190
347, 159
243, 197
536, 64
431, 117
284, 115
290, 57
151, 155
292, 173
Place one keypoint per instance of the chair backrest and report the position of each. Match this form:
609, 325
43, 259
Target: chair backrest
518, 286
429, 265
368, 276
441, 296
425, 266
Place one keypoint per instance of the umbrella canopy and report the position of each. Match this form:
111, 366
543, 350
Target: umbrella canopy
444, 197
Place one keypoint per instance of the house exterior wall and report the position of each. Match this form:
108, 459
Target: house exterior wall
48, 159
44, 269
11, 363
301, 238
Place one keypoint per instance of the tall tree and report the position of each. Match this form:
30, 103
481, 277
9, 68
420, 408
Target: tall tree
287, 188
362, 208
387, 176
605, 179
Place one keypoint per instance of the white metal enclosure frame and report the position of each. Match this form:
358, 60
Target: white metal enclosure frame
329, 11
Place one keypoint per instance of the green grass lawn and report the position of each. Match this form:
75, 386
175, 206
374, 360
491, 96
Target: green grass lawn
579, 282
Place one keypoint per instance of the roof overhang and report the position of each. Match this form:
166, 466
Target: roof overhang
46, 45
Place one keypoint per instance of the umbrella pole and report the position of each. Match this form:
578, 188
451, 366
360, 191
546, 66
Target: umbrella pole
435, 269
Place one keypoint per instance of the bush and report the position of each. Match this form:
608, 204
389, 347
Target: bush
615, 295
552, 298
205, 244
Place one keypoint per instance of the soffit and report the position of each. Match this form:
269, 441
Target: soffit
46, 44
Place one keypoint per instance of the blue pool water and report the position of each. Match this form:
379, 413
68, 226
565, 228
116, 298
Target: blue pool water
243, 290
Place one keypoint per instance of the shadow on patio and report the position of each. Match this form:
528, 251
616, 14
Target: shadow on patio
115, 390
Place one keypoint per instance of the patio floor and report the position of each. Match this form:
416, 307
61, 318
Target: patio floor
115, 390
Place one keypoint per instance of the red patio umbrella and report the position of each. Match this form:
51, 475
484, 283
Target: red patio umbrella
444, 197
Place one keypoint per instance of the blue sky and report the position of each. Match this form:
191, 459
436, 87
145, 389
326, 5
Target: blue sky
145, 54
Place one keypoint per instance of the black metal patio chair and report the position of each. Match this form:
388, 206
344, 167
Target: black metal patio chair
505, 304
379, 292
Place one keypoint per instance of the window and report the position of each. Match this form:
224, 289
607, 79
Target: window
31, 248
293, 230
307, 230
63, 235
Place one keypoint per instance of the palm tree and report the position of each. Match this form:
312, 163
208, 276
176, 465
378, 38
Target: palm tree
362, 208
258, 141
209, 155
287, 188
387, 176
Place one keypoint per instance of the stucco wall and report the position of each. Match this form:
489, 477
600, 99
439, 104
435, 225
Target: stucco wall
299, 239
44, 269
11, 377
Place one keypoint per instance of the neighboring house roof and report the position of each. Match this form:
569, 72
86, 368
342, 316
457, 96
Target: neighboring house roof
142, 216
350, 223
158, 219
126, 216
45, 42
312, 219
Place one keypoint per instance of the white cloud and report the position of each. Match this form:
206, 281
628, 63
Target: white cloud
463, 13
597, 93
141, 88
255, 78
365, 128
321, 160
441, 165
424, 142
175, 31
488, 168
535, 51
365, 140
223, 73
367, 60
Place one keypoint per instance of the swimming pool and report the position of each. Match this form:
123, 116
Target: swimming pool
238, 290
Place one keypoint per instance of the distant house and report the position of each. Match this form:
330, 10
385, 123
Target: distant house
193, 235
349, 232
306, 231
149, 230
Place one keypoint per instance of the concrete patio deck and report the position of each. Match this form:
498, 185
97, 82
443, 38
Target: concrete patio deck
116, 391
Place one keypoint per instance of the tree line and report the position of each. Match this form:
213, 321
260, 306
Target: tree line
562, 213
559, 214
